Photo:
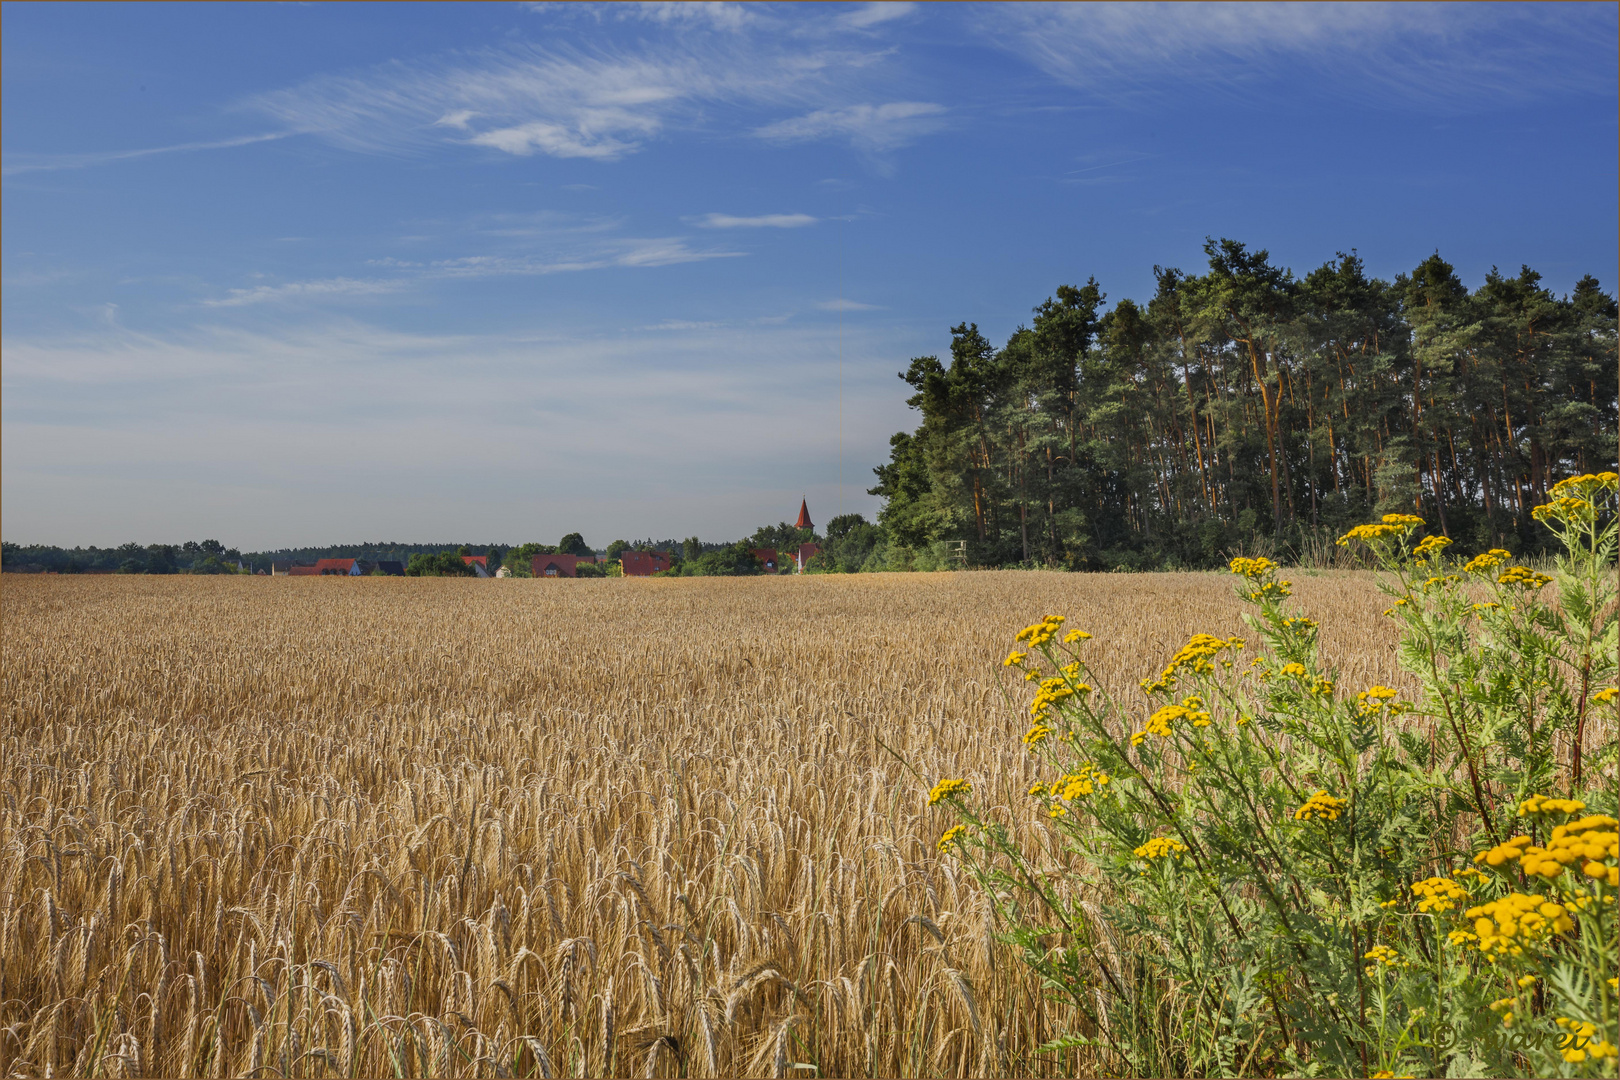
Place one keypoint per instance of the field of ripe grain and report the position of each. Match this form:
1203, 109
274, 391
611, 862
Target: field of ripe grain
321, 826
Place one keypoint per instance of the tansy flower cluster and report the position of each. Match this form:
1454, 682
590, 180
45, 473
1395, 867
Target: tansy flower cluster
1055, 690
952, 836
1376, 698
1259, 574
1523, 575
1321, 806
1300, 625
1431, 546
1382, 956
1392, 525
1586, 485
1572, 499
1605, 696
1503, 927
1160, 847
1197, 657
1580, 1039
1015, 659
1585, 843
1546, 804
1253, 568
1588, 842
1042, 632
1077, 784
1191, 708
948, 789
1438, 894
1564, 509
1493, 558
1036, 734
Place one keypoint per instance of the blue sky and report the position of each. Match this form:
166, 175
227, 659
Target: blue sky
295, 274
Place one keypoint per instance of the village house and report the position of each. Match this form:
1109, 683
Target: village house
644, 563
767, 559
558, 565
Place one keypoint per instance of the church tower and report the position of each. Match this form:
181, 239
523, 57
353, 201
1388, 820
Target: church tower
806, 551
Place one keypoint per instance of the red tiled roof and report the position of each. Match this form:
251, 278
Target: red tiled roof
557, 565
302, 571
766, 557
804, 516
333, 566
808, 552
644, 563
481, 560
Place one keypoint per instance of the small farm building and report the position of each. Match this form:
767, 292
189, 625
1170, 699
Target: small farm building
558, 565
644, 563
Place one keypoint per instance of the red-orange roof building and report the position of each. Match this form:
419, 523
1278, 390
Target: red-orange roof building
767, 558
804, 516
558, 565
806, 553
334, 567
644, 563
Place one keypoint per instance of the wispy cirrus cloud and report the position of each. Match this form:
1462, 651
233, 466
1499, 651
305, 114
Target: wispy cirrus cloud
1403, 52
605, 254
305, 290
707, 14
873, 14
868, 127
846, 305
600, 104
26, 163
760, 221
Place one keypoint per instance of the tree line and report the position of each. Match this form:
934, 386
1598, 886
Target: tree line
1246, 408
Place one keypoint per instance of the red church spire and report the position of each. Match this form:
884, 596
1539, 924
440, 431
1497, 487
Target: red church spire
804, 516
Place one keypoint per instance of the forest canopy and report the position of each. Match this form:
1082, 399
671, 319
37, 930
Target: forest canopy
1246, 408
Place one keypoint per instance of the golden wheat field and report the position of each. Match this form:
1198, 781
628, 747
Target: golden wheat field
368, 827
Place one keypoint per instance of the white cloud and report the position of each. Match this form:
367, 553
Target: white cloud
260, 294
762, 221
1460, 52
873, 14
721, 16
726, 15
559, 141
570, 103
25, 163
846, 305
868, 127
597, 254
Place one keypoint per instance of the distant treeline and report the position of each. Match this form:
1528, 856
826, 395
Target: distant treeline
191, 557
1245, 407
